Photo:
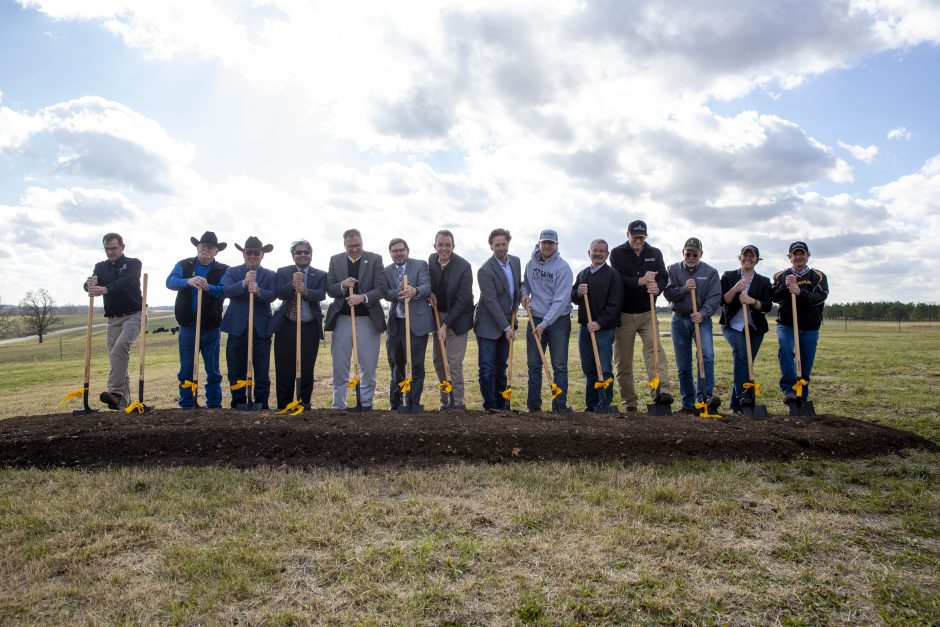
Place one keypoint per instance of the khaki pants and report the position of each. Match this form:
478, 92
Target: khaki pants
122, 331
632, 325
456, 349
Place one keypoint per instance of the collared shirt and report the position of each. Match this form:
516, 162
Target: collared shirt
507, 270
737, 322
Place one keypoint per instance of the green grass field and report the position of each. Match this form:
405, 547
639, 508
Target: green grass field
801, 543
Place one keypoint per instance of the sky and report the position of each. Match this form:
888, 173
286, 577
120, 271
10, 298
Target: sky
734, 121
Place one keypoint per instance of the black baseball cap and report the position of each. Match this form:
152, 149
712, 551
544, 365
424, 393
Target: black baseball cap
637, 227
798, 246
753, 249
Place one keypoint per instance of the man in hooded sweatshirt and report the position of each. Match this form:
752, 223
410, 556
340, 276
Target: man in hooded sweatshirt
547, 290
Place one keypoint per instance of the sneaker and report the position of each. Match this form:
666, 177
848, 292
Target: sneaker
113, 401
714, 403
562, 409
688, 410
630, 408
746, 401
789, 397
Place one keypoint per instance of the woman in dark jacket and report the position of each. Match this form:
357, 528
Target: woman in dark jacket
744, 287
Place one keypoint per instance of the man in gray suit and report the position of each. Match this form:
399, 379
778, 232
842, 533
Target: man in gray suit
362, 271
452, 292
499, 279
420, 318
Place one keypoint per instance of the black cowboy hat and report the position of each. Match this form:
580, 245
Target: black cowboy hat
209, 238
253, 243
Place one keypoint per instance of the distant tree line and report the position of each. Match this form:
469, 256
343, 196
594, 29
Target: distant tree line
921, 312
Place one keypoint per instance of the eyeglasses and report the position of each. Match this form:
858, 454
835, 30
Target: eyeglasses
302, 252
692, 254
252, 253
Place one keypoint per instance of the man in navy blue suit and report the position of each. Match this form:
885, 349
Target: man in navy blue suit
237, 283
298, 281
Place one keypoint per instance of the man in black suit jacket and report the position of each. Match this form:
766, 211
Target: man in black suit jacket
300, 281
452, 294
363, 271
499, 279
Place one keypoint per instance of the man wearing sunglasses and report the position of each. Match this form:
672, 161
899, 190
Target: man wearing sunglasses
692, 273
237, 283
302, 281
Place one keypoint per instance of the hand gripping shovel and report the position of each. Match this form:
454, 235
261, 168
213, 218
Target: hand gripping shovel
83, 391
354, 382
799, 406
296, 406
602, 384
446, 386
138, 405
194, 384
701, 405
749, 406
556, 391
407, 406
507, 393
249, 382
659, 406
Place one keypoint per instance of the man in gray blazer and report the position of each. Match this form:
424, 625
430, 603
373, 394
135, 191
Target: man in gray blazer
499, 279
452, 292
362, 271
419, 315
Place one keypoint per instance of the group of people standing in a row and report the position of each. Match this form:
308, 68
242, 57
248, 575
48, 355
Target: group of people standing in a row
615, 301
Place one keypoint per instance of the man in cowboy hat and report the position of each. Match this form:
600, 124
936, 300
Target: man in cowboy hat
237, 283
189, 276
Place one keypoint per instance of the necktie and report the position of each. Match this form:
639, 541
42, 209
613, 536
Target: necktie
400, 308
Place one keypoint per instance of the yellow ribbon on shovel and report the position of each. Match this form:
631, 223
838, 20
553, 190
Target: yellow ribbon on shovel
703, 407
405, 386
445, 386
75, 394
135, 406
756, 386
798, 387
240, 384
189, 385
603, 384
507, 393
556, 391
353, 383
295, 407
654, 383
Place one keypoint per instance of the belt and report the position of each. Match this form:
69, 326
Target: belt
124, 315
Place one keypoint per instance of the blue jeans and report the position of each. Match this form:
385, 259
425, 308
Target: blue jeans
683, 334
555, 341
209, 349
595, 398
236, 359
786, 357
493, 357
738, 344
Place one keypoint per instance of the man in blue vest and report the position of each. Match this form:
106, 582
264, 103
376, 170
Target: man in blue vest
189, 276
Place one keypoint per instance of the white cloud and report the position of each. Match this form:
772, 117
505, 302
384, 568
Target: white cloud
899, 134
80, 205
865, 155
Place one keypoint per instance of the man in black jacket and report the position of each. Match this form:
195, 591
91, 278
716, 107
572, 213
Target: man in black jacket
452, 294
117, 280
604, 289
643, 272
188, 277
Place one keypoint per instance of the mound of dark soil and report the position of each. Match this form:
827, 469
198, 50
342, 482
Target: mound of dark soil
173, 437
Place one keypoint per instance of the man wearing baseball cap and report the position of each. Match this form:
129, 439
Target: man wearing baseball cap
546, 288
811, 288
684, 276
643, 272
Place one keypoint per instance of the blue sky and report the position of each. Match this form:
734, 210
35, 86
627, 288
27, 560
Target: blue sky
733, 121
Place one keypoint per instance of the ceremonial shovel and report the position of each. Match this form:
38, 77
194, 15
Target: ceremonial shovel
702, 405
249, 382
749, 406
138, 405
602, 384
295, 407
657, 407
445, 385
407, 407
507, 393
354, 382
556, 391
83, 391
194, 384
799, 406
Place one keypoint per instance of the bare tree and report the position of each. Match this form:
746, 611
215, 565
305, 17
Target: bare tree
7, 320
38, 311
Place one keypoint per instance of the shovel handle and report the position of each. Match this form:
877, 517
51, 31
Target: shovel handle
198, 343
655, 334
597, 357
796, 337
538, 345
143, 335
404, 283
297, 314
747, 341
698, 336
437, 326
355, 345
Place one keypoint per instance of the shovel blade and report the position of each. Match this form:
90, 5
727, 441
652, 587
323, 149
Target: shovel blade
411, 409
248, 407
82, 412
658, 409
755, 411
801, 407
